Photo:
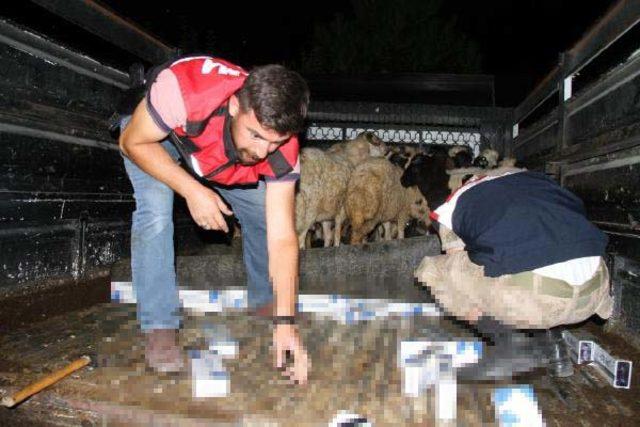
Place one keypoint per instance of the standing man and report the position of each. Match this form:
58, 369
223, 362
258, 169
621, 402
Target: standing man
236, 131
521, 254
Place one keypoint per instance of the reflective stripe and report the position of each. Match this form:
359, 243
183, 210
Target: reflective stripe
195, 165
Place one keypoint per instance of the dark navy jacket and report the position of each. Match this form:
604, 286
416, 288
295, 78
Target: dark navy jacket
524, 221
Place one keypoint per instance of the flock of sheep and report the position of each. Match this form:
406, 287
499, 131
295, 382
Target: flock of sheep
361, 189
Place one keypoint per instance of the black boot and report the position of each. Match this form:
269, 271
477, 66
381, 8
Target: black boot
560, 364
509, 353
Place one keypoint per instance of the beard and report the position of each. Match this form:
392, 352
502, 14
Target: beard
247, 158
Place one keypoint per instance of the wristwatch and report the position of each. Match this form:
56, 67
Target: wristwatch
284, 320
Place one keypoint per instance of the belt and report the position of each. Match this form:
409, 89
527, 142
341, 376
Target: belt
556, 287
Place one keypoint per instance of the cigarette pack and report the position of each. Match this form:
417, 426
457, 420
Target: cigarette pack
517, 406
199, 301
584, 349
616, 371
122, 292
208, 376
461, 352
233, 299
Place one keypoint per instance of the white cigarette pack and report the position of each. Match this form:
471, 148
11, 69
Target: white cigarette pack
199, 301
517, 406
224, 349
616, 371
208, 376
419, 373
122, 292
580, 348
461, 352
233, 299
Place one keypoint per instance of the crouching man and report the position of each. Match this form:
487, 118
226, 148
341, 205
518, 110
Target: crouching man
520, 255
235, 132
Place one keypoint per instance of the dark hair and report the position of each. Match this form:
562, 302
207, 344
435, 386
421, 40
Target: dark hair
279, 97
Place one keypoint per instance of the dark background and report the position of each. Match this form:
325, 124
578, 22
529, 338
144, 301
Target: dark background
518, 41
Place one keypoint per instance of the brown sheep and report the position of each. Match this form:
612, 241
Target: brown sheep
323, 184
375, 196
363, 146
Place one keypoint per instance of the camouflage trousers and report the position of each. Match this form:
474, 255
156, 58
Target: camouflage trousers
524, 300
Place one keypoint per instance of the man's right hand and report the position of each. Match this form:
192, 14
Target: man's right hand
206, 208
139, 142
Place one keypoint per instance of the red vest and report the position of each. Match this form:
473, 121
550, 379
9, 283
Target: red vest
205, 141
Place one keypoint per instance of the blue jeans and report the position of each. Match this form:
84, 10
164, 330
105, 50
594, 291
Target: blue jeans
152, 252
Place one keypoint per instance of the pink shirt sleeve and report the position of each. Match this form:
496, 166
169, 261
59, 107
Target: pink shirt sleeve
165, 102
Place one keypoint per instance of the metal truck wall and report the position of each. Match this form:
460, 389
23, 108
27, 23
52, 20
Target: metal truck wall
590, 139
602, 152
538, 143
66, 202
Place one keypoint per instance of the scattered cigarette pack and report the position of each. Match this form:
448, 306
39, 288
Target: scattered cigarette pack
199, 301
234, 299
122, 292
517, 406
340, 308
224, 349
432, 370
419, 373
431, 363
616, 371
209, 378
345, 418
461, 352
580, 348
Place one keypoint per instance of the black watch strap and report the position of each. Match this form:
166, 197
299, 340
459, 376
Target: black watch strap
284, 320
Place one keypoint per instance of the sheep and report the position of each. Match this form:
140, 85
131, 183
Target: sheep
414, 227
375, 196
429, 173
488, 159
366, 144
323, 183
378, 234
461, 156
399, 159
457, 177
439, 173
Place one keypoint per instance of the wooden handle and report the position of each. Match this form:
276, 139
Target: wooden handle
50, 379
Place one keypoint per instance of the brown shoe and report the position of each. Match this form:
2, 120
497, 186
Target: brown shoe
162, 353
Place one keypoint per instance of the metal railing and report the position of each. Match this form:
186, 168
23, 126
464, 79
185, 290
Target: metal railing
99, 20
619, 20
475, 127
397, 135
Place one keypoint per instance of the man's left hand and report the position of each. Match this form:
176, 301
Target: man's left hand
286, 339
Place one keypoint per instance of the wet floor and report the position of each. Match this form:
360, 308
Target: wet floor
353, 368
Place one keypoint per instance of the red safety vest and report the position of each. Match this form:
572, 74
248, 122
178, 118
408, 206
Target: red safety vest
205, 142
